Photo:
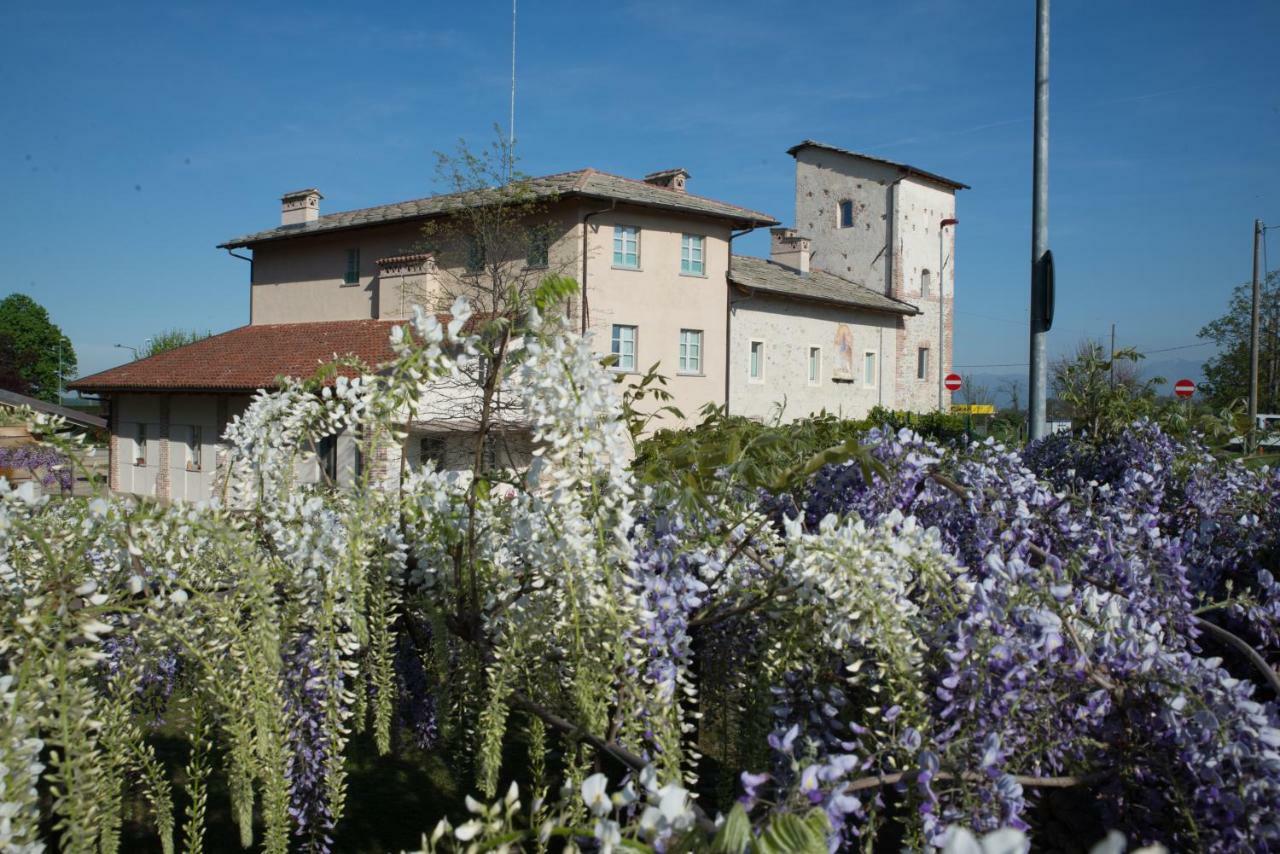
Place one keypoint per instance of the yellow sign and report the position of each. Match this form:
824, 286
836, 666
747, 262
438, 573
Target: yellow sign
972, 409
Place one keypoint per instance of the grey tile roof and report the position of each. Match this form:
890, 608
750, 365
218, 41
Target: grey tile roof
759, 274
583, 183
909, 169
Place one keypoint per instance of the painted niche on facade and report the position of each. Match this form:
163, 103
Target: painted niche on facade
843, 367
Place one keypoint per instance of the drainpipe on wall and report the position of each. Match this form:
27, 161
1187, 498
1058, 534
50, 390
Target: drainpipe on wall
586, 315
942, 301
250, 260
880, 369
728, 311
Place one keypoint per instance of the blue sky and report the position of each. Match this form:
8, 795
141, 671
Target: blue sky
137, 136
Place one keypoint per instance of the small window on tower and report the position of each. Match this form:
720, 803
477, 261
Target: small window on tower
926, 283
352, 275
846, 214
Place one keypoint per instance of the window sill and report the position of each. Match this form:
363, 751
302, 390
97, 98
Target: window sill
693, 275
756, 381
350, 284
690, 374
531, 267
627, 269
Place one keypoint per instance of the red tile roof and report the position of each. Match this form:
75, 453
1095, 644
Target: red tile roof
249, 358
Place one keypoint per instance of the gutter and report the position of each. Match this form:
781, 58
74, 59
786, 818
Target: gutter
250, 260
728, 310
586, 314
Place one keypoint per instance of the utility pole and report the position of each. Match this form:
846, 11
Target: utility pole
1039, 230
1113, 355
1253, 340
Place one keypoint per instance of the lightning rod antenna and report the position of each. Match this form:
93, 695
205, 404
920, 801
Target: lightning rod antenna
511, 126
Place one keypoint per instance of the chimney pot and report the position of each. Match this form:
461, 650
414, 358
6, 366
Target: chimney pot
671, 179
300, 206
789, 249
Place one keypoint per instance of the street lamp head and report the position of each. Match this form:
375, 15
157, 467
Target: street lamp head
947, 222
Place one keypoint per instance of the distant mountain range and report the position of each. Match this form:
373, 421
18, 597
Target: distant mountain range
1171, 370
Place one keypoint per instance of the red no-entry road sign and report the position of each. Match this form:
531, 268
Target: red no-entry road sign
1184, 388
952, 382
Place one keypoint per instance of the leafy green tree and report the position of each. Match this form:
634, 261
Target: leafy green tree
1104, 394
1227, 373
171, 339
11, 377
36, 348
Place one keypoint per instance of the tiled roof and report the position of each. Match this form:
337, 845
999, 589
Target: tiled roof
908, 169
248, 358
584, 183
758, 274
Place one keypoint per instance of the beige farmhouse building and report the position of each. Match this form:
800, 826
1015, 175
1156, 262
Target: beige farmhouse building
853, 308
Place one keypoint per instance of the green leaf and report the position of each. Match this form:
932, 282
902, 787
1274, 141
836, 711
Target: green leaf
790, 834
735, 833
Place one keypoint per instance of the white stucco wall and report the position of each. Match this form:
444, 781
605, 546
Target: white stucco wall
192, 466
137, 469
893, 239
789, 328
921, 207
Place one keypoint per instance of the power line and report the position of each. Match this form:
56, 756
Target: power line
1143, 352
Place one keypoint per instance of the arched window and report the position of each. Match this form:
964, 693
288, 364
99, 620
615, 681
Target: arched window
846, 214
926, 283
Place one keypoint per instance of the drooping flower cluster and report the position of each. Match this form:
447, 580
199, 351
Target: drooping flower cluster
919, 638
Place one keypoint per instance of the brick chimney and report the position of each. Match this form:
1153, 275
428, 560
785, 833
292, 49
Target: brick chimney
671, 179
300, 206
789, 249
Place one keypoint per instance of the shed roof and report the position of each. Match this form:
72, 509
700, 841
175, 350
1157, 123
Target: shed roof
75, 416
759, 274
905, 167
582, 183
248, 358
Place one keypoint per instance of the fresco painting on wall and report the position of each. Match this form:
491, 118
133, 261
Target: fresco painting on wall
843, 367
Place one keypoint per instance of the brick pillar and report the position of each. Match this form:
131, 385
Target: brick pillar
113, 445
162, 476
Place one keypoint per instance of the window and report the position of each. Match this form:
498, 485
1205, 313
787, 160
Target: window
195, 441
626, 247
846, 214
691, 262
475, 255
815, 365
431, 450
352, 276
755, 369
140, 445
926, 282
869, 368
922, 363
327, 457
690, 351
539, 248
624, 347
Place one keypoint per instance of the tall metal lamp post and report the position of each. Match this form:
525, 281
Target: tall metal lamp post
942, 294
1041, 258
